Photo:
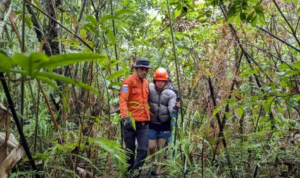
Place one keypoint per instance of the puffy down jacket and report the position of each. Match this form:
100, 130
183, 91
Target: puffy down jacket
161, 104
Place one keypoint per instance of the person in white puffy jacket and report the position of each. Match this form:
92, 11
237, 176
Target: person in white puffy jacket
162, 102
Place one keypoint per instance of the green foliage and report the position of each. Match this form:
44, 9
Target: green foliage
33, 63
111, 147
116, 75
125, 12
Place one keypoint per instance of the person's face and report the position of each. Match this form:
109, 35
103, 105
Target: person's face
160, 84
142, 72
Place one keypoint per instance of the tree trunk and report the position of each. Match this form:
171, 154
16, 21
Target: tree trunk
53, 28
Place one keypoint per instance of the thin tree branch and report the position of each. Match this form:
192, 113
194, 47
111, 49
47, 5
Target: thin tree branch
292, 29
79, 38
278, 38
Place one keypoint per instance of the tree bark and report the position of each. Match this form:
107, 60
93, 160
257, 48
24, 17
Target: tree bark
52, 27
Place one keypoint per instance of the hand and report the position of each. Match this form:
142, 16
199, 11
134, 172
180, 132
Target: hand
127, 123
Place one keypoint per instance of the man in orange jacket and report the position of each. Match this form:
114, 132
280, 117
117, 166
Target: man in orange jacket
134, 104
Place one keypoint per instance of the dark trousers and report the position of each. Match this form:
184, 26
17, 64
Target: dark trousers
141, 134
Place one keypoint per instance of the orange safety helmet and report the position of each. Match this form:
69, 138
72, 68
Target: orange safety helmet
161, 74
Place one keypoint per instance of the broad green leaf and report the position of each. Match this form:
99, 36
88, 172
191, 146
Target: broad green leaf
28, 21
22, 72
297, 65
32, 63
216, 111
250, 16
270, 101
67, 80
116, 75
45, 79
90, 27
111, 36
124, 12
266, 107
177, 12
263, 119
237, 20
240, 112
104, 28
254, 21
66, 59
115, 85
21, 60
108, 17
242, 16
230, 19
92, 20
5, 64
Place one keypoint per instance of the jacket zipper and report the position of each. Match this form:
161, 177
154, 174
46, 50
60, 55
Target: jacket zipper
158, 106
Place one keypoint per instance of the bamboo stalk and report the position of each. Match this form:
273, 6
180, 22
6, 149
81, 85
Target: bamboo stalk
23, 50
114, 31
176, 61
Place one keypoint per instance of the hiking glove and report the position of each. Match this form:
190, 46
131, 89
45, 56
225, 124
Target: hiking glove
127, 124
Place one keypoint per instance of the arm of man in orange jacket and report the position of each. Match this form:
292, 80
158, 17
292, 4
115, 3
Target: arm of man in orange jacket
123, 102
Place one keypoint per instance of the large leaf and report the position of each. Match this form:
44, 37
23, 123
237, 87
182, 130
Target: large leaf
67, 80
28, 21
124, 12
5, 63
30, 63
115, 85
92, 20
108, 17
66, 59
116, 75
111, 36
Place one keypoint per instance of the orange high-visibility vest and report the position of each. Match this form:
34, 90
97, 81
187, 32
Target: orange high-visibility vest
134, 99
